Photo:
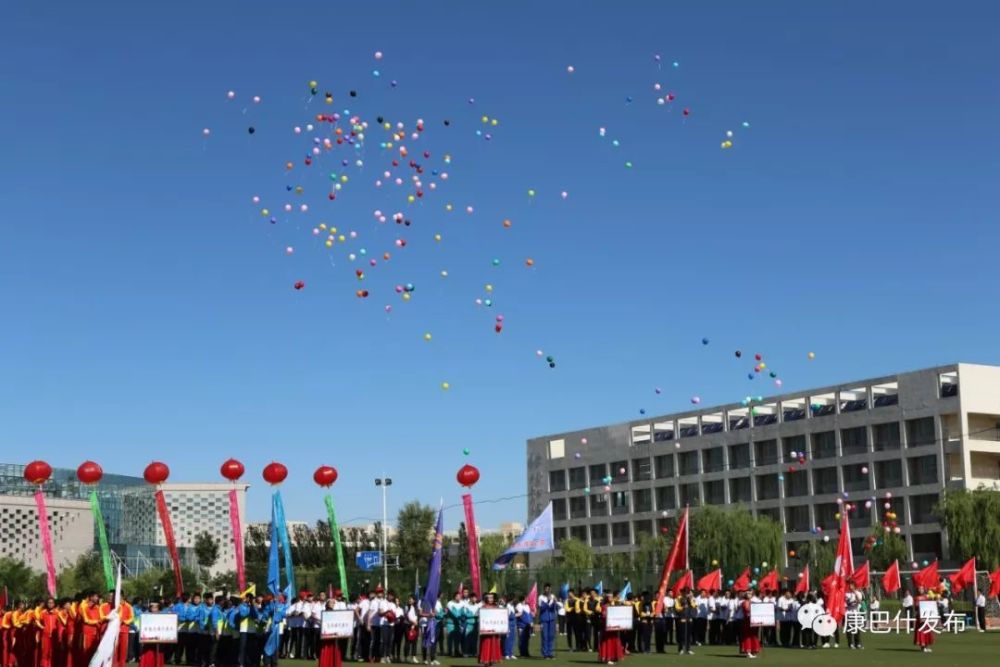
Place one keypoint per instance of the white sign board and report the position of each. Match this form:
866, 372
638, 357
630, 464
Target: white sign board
929, 609
762, 614
492, 621
337, 624
619, 618
158, 628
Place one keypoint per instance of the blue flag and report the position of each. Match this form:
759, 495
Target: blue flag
600, 587
626, 590
538, 537
434, 569
564, 591
273, 567
279, 514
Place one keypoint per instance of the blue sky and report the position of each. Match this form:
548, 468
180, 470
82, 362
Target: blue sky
147, 306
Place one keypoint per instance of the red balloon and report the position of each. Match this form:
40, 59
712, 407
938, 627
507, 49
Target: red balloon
89, 472
325, 475
37, 472
467, 475
156, 473
232, 470
275, 473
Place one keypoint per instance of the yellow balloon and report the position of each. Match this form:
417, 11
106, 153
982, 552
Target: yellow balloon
322, 225
486, 119
341, 238
313, 84
489, 288
494, 122
406, 296
447, 207
445, 386
427, 337
265, 212
437, 237
329, 244
410, 199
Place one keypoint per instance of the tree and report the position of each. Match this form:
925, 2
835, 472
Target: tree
888, 546
819, 556
21, 581
651, 553
414, 538
206, 551
491, 546
577, 559
86, 574
972, 520
734, 538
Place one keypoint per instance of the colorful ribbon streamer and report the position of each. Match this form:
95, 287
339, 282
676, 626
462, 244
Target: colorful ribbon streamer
279, 512
102, 539
43, 528
234, 519
168, 534
470, 529
335, 533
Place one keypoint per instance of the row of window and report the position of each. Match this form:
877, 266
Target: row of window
887, 475
815, 446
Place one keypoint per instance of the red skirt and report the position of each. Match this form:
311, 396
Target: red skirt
151, 655
490, 652
610, 648
329, 653
923, 638
749, 638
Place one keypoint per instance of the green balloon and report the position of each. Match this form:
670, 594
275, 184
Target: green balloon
466, 451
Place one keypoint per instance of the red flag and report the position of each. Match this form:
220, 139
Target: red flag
964, 577
532, 599
928, 577
803, 585
843, 569
890, 580
994, 583
742, 582
676, 559
686, 580
711, 581
862, 577
828, 584
769, 582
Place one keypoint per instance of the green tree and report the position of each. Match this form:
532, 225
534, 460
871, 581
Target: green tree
577, 558
734, 538
491, 546
819, 555
650, 554
21, 581
206, 551
887, 548
86, 574
972, 520
414, 540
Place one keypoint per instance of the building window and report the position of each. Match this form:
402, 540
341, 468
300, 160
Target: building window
824, 480
711, 460
559, 534
559, 509
767, 487
640, 528
642, 470
688, 463
948, 383
598, 504
854, 440
796, 484
926, 546
826, 516
557, 480
664, 466
690, 494
854, 479
578, 507
888, 474
793, 447
597, 474
885, 437
920, 432
578, 533
739, 456
922, 509
666, 498
765, 452
557, 449
923, 470
739, 490
619, 502
598, 534
577, 478
797, 519
824, 445
715, 493
643, 500
620, 534
772, 513
619, 472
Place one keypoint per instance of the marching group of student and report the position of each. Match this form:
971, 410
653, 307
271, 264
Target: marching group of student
257, 631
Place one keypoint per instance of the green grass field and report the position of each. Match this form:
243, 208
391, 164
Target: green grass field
969, 649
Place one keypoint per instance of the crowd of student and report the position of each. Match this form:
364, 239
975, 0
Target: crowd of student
257, 631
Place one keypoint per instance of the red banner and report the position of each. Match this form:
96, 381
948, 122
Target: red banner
470, 529
234, 519
43, 529
676, 560
168, 534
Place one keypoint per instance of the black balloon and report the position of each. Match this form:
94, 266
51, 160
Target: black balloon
251, 129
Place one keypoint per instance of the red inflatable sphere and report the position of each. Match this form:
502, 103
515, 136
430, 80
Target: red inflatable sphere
467, 475
37, 472
325, 475
232, 470
89, 472
156, 473
275, 473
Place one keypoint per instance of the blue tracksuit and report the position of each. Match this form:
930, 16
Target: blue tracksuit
547, 611
511, 638
524, 627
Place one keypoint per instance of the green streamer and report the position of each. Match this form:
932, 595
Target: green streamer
102, 538
335, 532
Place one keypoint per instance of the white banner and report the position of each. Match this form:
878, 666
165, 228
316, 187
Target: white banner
929, 609
619, 618
762, 614
158, 628
337, 624
492, 621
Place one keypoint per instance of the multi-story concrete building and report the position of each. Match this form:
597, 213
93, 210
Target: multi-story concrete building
911, 436
203, 508
70, 523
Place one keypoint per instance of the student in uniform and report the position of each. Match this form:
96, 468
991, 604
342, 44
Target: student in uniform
569, 609
525, 626
645, 634
547, 612
151, 655
853, 601
981, 611
489, 652
749, 635
454, 624
923, 639
610, 649
594, 619
582, 624
701, 618
685, 610
470, 637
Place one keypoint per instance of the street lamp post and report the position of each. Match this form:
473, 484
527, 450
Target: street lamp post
384, 482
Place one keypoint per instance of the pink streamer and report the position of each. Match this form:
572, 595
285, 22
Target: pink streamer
234, 519
470, 529
43, 528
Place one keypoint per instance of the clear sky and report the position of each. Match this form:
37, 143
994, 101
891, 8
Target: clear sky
147, 309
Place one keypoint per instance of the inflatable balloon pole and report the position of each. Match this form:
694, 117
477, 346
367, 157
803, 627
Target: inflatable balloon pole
233, 470
274, 474
37, 473
325, 476
90, 473
156, 473
467, 476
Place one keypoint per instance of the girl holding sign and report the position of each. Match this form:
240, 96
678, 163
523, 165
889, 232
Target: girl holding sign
489, 645
150, 654
923, 636
610, 648
330, 649
749, 634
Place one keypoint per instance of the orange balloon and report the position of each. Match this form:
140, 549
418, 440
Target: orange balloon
507, 223
529, 262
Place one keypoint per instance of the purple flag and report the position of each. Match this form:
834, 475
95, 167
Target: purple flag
434, 571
